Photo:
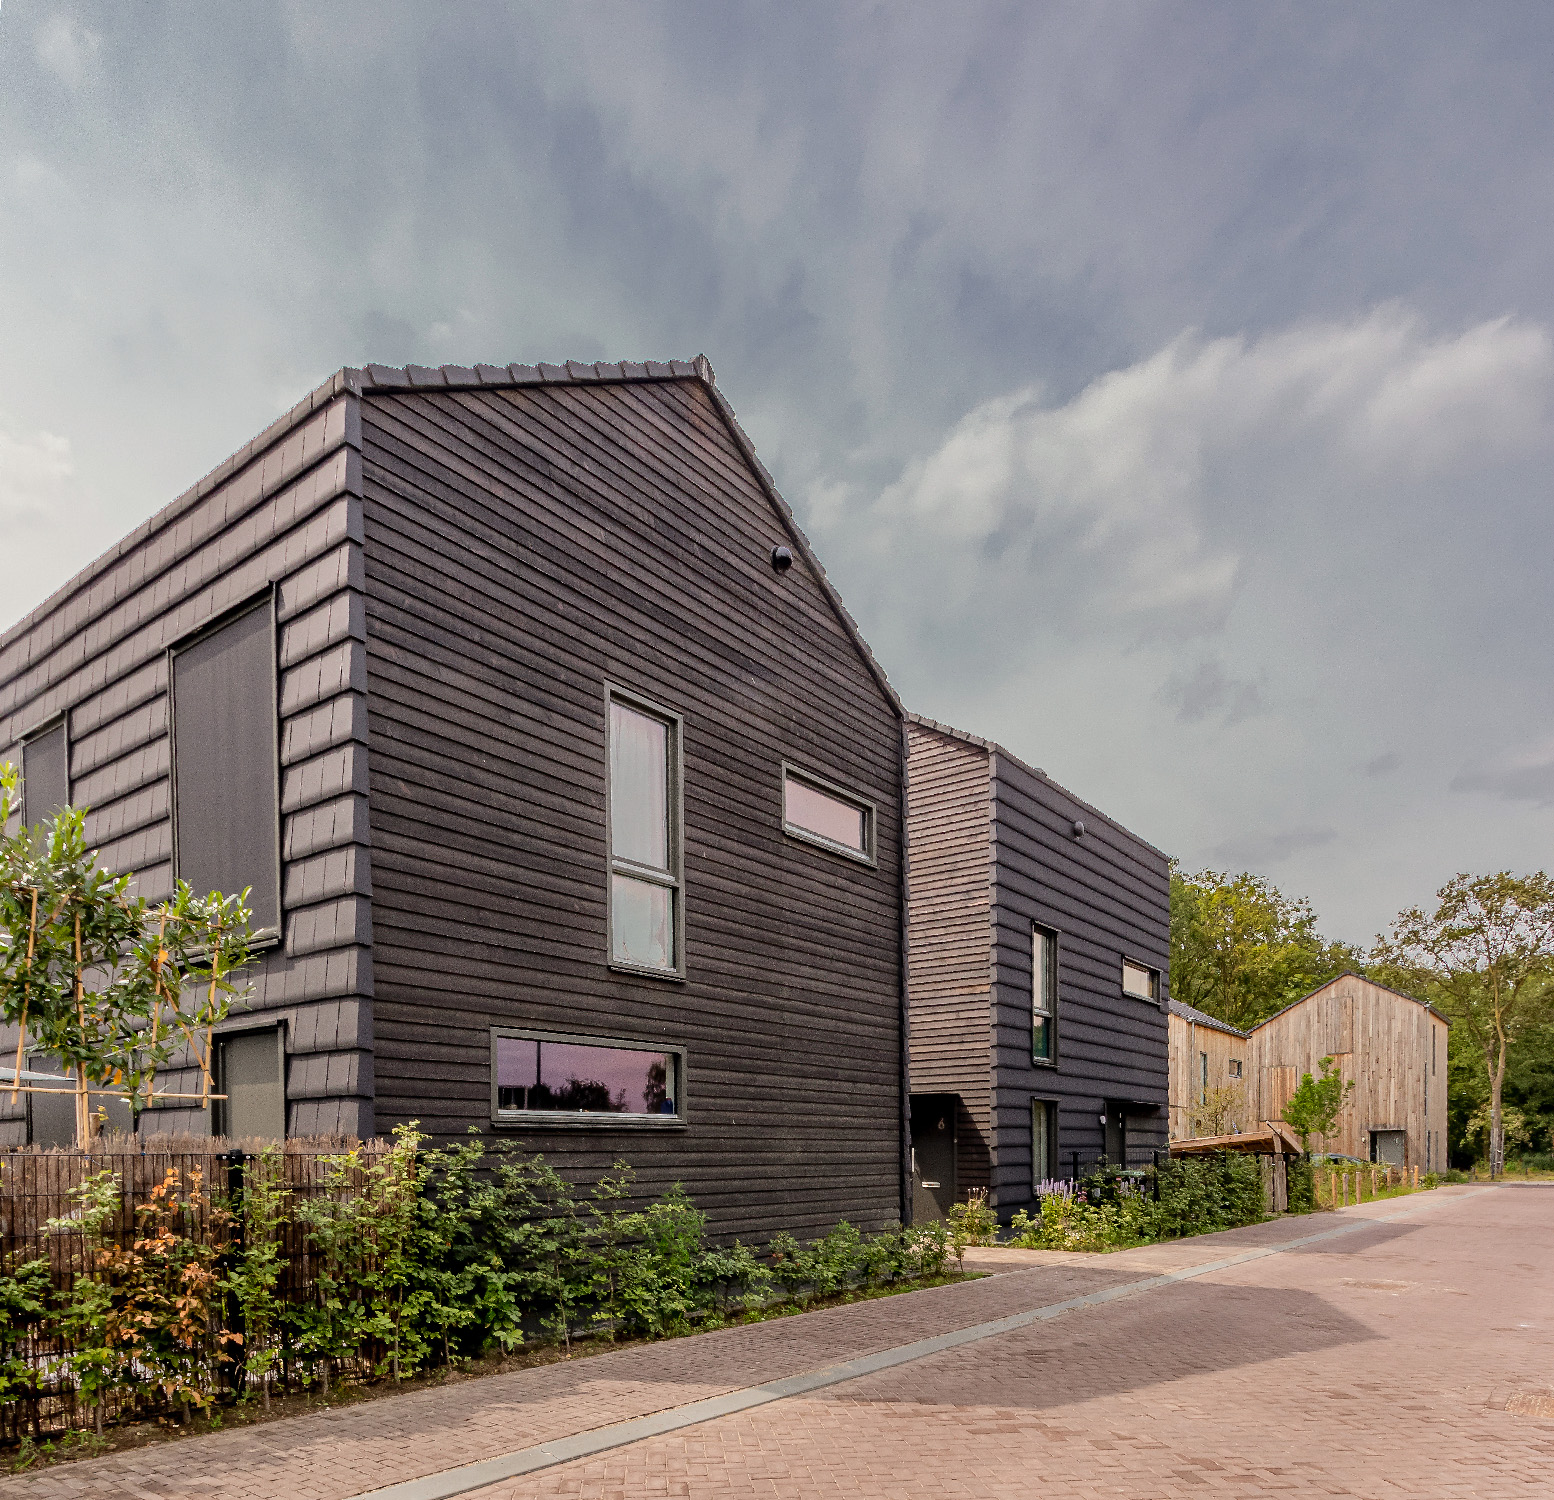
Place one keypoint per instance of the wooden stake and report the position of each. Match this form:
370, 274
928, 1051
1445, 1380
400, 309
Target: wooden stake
21, 1040
83, 1115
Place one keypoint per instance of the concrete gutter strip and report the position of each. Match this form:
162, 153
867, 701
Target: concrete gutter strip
601, 1439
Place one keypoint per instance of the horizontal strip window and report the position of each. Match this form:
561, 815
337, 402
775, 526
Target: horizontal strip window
820, 813
544, 1077
1141, 983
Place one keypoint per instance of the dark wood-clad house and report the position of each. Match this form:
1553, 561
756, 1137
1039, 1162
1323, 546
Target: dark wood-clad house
569, 796
1039, 953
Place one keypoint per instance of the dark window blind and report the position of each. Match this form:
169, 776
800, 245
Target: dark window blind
224, 764
45, 775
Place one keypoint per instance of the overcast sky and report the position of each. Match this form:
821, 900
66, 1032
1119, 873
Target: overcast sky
1166, 387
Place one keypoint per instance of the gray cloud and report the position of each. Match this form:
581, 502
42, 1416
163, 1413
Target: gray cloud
1263, 851
1097, 349
1208, 692
1521, 776
1384, 764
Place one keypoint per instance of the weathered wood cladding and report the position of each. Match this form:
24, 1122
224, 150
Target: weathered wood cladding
993, 855
1195, 1037
524, 547
950, 937
1107, 896
1392, 1046
282, 515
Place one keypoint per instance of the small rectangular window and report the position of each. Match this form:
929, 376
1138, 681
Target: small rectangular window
45, 774
251, 1072
1235, 1067
226, 804
1044, 996
540, 1073
646, 919
819, 813
1139, 981
1044, 1142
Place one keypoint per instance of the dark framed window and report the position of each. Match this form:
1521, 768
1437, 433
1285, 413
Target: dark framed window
1203, 1078
1235, 1067
1140, 982
548, 1077
1044, 1141
820, 813
226, 763
1044, 996
45, 773
251, 1072
645, 801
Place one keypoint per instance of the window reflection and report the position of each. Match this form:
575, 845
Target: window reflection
831, 818
582, 1078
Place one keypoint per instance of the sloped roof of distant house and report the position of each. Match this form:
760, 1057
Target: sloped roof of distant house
1203, 1018
384, 379
993, 747
1353, 974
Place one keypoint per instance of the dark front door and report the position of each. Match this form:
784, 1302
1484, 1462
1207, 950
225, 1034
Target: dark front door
933, 1155
1116, 1133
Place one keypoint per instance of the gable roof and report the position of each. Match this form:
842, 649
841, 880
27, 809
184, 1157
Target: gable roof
1203, 1018
994, 748
383, 379
1352, 974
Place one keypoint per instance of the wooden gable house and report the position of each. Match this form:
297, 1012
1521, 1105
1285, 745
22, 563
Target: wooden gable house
569, 796
1390, 1046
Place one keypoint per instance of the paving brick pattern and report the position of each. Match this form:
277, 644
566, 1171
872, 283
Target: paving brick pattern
1412, 1359
1415, 1360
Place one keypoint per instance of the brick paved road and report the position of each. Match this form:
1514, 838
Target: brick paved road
1411, 1359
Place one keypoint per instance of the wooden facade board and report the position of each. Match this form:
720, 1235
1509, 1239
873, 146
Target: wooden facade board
524, 547
286, 518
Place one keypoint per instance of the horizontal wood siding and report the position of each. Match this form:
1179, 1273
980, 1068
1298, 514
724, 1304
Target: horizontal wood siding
1390, 1045
525, 547
285, 514
950, 940
1107, 895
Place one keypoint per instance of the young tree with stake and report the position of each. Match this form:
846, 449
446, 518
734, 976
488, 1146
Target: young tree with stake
109, 983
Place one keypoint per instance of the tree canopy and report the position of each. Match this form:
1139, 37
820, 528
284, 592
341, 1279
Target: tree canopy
1241, 949
1485, 955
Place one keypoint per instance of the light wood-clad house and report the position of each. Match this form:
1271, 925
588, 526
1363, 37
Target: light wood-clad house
1208, 1057
1039, 948
568, 794
1391, 1045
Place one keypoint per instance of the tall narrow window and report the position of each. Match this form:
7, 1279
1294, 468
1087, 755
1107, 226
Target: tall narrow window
1044, 996
645, 843
1203, 1078
45, 774
1044, 1142
226, 815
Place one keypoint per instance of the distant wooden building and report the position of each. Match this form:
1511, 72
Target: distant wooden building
1039, 944
1390, 1045
1208, 1063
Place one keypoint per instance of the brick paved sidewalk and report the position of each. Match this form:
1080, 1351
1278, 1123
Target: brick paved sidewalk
330, 1455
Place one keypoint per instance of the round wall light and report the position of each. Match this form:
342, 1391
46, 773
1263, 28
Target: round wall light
782, 559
